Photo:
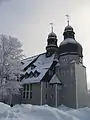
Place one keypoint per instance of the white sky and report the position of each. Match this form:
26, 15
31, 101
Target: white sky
28, 20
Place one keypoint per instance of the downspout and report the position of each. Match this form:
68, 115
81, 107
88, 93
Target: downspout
76, 90
56, 95
41, 93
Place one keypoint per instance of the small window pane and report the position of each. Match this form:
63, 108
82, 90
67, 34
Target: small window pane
30, 94
27, 87
30, 87
27, 95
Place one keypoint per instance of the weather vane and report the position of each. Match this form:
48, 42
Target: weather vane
51, 26
68, 18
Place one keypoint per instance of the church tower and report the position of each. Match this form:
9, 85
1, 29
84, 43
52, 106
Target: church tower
71, 71
51, 43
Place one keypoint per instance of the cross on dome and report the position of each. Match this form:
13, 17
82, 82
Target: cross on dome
51, 26
68, 18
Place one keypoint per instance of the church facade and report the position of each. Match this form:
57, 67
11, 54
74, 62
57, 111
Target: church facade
57, 76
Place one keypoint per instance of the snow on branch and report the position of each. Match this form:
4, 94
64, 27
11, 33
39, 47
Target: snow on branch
10, 65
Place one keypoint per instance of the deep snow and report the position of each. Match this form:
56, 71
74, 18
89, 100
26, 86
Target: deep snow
31, 112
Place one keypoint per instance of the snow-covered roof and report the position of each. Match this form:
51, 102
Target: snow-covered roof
42, 64
55, 80
28, 60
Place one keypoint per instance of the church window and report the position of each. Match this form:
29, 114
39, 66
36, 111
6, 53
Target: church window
30, 90
30, 94
27, 87
27, 91
30, 87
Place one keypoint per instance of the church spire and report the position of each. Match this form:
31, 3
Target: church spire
51, 42
68, 31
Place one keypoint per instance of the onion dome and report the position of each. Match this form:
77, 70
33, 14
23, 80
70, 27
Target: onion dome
52, 35
69, 44
51, 43
68, 28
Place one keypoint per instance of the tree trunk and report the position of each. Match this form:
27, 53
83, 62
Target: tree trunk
10, 100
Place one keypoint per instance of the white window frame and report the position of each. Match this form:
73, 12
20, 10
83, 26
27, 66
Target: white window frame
25, 91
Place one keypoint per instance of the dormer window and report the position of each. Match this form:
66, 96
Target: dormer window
36, 73
31, 74
26, 75
32, 66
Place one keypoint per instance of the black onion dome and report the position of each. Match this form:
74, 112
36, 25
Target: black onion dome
69, 44
68, 28
52, 35
51, 44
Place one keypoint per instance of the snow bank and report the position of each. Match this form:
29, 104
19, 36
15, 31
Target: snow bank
31, 112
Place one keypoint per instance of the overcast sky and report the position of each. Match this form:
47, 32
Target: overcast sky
28, 20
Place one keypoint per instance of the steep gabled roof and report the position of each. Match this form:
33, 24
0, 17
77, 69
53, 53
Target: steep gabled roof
42, 65
26, 62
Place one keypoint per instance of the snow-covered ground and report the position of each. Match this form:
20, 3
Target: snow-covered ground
31, 112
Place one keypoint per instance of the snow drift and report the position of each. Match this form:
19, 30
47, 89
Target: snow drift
31, 112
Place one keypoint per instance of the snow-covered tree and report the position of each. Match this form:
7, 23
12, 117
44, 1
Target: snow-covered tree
10, 66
